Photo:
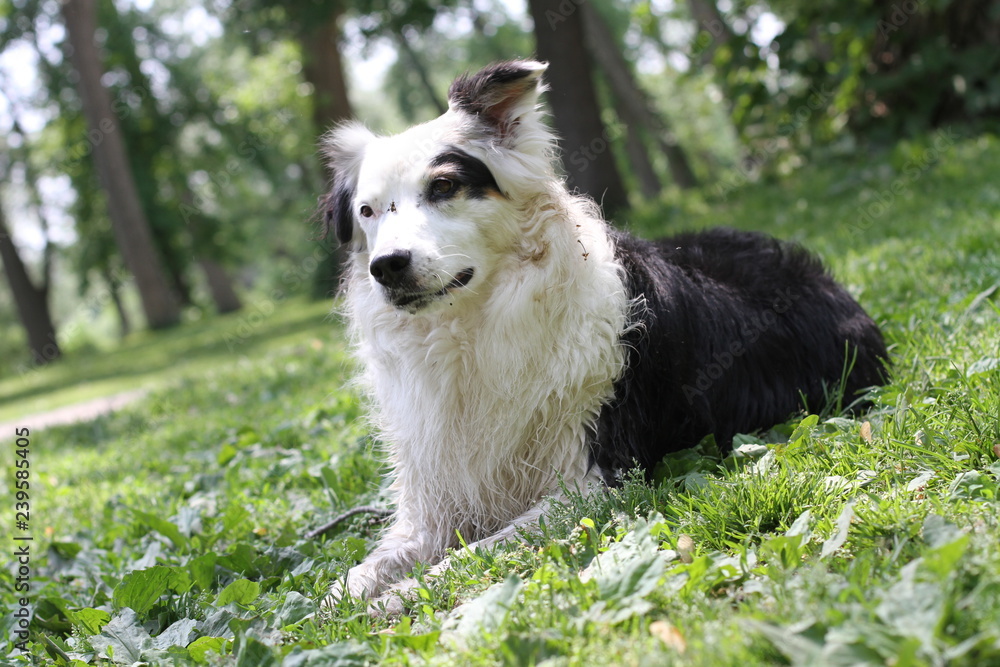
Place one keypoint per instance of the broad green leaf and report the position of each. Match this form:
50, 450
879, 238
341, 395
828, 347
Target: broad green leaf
123, 639
162, 526
255, 653
628, 571
788, 547
233, 517
202, 570
489, 610
218, 624
241, 591
804, 428
240, 559
911, 607
984, 365
342, 654
799, 648
295, 608
92, 620
948, 544
801, 526
140, 589
200, 648
226, 454
839, 536
938, 531
178, 634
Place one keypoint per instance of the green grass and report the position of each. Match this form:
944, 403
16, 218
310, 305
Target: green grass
171, 532
151, 360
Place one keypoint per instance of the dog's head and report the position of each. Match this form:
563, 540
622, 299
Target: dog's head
434, 209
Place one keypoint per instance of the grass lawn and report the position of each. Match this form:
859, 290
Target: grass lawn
172, 531
152, 360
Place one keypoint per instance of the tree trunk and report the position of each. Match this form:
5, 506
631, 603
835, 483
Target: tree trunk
403, 42
716, 31
587, 156
220, 286
323, 67
31, 302
642, 166
635, 107
128, 220
114, 289
35, 197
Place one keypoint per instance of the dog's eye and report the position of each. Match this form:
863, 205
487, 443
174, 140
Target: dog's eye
366, 211
442, 186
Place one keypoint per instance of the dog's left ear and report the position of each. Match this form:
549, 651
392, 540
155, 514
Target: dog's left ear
499, 94
344, 147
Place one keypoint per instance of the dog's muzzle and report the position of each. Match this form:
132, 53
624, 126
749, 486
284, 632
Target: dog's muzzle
392, 269
394, 272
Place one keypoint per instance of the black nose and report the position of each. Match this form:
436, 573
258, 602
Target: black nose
390, 269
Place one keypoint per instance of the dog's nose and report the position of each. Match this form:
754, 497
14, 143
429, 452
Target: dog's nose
389, 269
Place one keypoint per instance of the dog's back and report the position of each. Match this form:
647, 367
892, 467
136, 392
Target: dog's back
737, 331
514, 345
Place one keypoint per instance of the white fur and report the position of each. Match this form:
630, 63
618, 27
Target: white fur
486, 396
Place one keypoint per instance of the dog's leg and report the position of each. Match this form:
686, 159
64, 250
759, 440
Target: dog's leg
404, 544
392, 602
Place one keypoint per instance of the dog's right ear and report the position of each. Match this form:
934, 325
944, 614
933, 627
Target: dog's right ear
344, 147
499, 94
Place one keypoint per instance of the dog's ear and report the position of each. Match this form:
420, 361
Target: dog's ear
344, 147
499, 94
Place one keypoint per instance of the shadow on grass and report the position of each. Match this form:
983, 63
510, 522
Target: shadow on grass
148, 358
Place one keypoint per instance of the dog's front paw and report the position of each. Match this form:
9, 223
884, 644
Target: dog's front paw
394, 602
361, 582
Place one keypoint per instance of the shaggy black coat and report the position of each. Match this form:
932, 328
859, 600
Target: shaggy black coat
737, 332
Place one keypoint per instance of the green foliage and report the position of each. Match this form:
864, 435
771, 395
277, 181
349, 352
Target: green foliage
171, 532
882, 71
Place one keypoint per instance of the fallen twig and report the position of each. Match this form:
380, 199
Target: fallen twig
381, 513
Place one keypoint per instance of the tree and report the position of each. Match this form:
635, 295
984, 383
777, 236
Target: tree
322, 67
635, 108
587, 145
32, 301
131, 227
220, 286
868, 73
315, 28
152, 141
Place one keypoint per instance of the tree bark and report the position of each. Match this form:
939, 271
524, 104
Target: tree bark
642, 166
31, 302
709, 19
403, 42
128, 220
323, 67
114, 289
220, 286
588, 159
634, 105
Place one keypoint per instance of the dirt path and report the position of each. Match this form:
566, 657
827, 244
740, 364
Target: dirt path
77, 412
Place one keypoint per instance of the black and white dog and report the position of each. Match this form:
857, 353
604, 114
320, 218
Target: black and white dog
513, 342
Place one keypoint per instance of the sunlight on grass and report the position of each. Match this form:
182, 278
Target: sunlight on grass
152, 360
172, 531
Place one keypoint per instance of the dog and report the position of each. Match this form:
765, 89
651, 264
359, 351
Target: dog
514, 345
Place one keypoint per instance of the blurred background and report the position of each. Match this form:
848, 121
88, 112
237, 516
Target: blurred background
159, 164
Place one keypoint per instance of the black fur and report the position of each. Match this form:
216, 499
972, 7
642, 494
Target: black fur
467, 171
338, 212
738, 331
489, 93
